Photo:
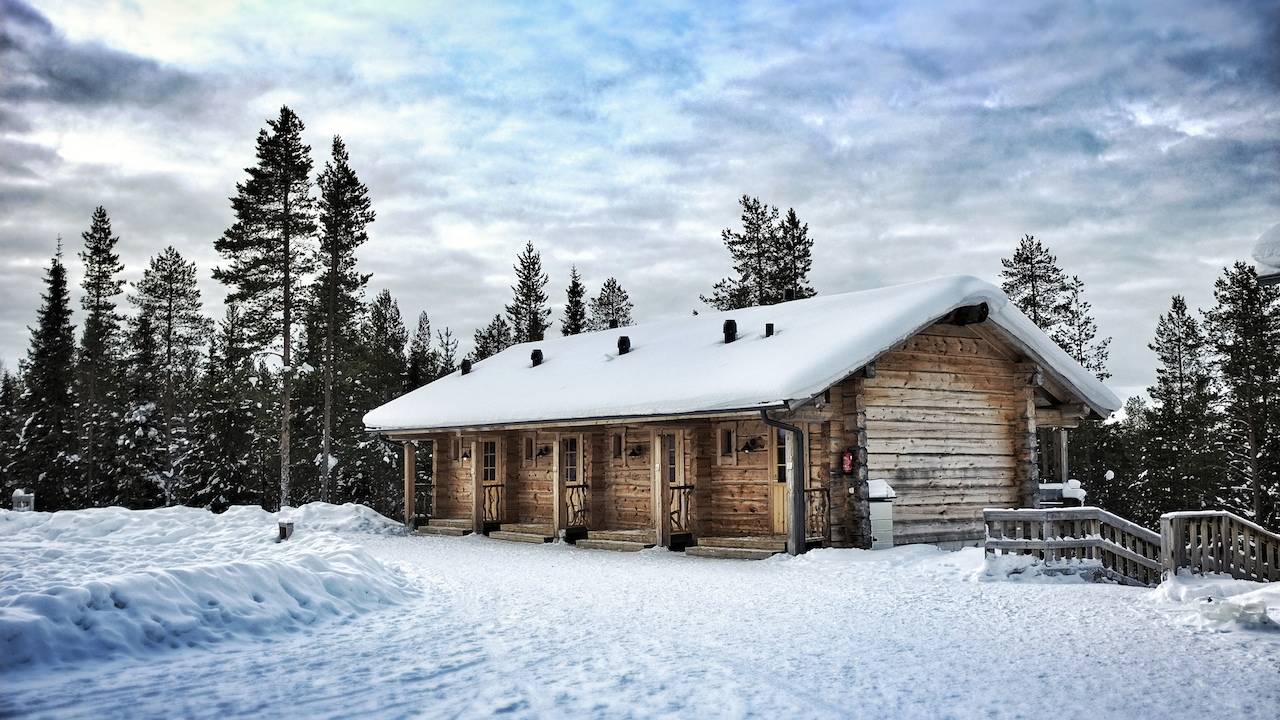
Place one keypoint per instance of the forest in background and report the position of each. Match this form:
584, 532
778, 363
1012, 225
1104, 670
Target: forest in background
161, 405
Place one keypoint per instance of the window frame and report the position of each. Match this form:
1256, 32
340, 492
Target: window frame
485, 457
730, 457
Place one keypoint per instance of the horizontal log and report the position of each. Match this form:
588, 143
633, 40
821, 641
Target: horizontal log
1003, 416
889, 461
948, 446
947, 381
940, 399
885, 429
926, 362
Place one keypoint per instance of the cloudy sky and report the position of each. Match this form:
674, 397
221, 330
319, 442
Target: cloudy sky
1140, 141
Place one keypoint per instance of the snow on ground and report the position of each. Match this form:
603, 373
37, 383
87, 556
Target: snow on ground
95, 583
549, 631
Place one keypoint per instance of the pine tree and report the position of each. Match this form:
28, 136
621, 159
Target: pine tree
1244, 327
371, 475
385, 338
9, 393
491, 339
225, 465
794, 258
1184, 465
611, 305
168, 296
141, 470
446, 353
1121, 449
44, 459
345, 214
99, 350
1077, 332
754, 252
1035, 283
423, 361
269, 251
528, 311
575, 307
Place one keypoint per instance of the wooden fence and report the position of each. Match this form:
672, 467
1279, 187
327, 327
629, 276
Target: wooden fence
1217, 541
1123, 551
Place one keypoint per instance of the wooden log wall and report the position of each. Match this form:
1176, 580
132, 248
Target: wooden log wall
738, 494
452, 479
533, 490
626, 482
942, 413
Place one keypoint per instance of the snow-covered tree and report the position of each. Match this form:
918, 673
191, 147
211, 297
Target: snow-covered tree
1244, 331
99, 356
491, 339
575, 307
45, 459
611, 305
423, 360
270, 249
528, 312
1035, 283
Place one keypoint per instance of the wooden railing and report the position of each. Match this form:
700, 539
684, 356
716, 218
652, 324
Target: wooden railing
681, 497
1218, 541
576, 504
493, 502
1125, 551
817, 503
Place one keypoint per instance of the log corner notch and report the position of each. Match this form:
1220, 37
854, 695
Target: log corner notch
410, 478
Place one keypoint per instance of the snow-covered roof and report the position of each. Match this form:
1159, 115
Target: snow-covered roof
1266, 252
682, 365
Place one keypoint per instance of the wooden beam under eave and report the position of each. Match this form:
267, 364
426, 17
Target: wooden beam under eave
410, 479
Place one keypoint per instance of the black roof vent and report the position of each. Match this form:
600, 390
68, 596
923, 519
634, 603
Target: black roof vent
536, 357
789, 294
624, 344
730, 331
613, 323
768, 329
466, 366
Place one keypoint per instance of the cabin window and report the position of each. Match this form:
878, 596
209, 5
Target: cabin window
617, 446
569, 460
727, 440
489, 461
669, 458
530, 457
780, 456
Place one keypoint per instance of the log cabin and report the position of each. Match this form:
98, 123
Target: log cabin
750, 432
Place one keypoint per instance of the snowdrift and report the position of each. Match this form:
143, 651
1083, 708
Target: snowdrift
1220, 602
93, 583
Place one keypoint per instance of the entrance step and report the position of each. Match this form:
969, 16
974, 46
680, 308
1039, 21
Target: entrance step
772, 543
732, 553
641, 536
615, 545
443, 530
460, 523
528, 528
520, 536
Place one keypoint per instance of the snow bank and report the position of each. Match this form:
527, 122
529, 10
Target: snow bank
1220, 602
1028, 568
92, 583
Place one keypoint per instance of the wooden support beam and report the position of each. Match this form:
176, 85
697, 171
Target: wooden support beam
410, 478
477, 488
558, 511
1063, 465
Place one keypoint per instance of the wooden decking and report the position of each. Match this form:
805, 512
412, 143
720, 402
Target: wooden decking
454, 527
619, 540
745, 547
524, 532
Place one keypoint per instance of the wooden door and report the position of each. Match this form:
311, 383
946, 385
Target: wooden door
779, 472
574, 482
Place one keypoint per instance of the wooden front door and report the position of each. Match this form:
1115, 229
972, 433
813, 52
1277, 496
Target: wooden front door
676, 495
779, 471
492, 483
573, 478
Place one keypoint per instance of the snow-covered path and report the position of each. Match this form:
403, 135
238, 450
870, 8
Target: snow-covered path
551, 631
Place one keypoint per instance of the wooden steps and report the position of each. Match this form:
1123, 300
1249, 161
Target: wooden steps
730, 553
619, 540
523, 532
452, 527
773, 543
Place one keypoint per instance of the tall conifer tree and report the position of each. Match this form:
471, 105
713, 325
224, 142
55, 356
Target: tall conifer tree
575, 307
270, 249
1035, 283
754, 253
99, 351
491, 339
44, 459
611, 306
528, 312
423, 361
794, 258
446, 353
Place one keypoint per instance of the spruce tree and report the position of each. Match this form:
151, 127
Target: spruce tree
99, 351
1184, 466
1077, 332
345, 214
575, 307
371, 475
446, 353
385, 338
1244, 330
9, 393
269, 250
528, 312
141, 469
794, 258
1035, 283
610, 306
755, 256
423, 361
168, 296
491, 339
45, 457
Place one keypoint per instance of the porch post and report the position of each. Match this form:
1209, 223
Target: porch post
410, 467
660, 498
557, 489
477, 490
1062, 455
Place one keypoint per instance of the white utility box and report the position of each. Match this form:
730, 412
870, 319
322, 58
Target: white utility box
881, 505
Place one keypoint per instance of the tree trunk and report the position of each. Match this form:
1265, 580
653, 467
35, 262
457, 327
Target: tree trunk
286, 385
